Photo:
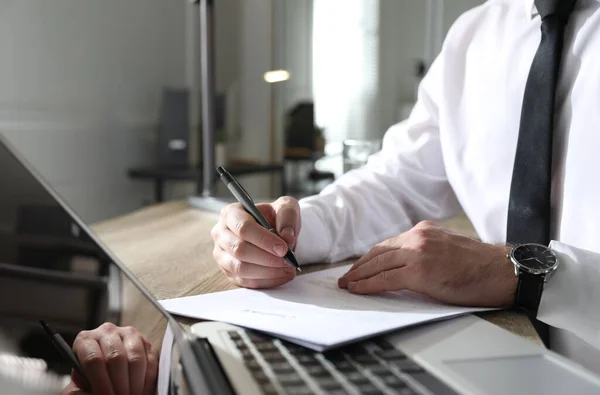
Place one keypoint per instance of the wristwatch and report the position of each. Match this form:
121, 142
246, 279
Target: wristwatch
534, 265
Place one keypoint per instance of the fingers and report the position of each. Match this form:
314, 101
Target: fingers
245, 228
136, 359
151, 377
389, 280
287, 219
247, 270
248, 252
248, 275
385, 261
375, 251
116, 361
250, 255
90, 355
115, 355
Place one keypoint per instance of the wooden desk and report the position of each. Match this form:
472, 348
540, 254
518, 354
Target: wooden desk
168, 247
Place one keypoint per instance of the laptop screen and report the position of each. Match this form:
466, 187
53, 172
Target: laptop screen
51, 268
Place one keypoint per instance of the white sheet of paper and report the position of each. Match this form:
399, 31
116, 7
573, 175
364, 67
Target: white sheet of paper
312, 311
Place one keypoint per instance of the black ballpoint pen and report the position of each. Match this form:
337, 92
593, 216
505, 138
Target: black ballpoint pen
246, 201
63, 348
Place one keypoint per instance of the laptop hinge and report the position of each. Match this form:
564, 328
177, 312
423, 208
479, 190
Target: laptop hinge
212, 370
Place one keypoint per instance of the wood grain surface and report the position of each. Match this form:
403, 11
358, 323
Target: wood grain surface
168, 247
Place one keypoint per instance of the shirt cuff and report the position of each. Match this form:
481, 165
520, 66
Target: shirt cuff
313, 241
571, 297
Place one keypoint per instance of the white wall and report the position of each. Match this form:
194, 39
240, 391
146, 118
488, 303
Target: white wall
80, 88
402, 41
256, 57
292, 52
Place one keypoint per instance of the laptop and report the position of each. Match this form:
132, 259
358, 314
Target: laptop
52, 266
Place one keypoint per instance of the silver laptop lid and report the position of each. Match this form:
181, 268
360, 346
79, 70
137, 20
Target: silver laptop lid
53, 267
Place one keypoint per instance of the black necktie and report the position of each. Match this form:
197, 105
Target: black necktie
529, 205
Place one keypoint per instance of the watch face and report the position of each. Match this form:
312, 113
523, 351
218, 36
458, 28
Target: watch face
535, 257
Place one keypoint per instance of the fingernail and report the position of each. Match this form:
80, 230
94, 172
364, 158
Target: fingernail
342, 282
280, 249
288, 233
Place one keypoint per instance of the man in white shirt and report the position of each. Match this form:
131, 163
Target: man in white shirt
456, 150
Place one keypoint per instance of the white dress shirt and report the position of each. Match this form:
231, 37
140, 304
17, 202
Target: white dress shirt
457, 150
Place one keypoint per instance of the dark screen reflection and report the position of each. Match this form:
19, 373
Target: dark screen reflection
51, 268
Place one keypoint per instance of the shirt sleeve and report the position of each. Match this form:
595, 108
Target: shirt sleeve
399, 186
571, 297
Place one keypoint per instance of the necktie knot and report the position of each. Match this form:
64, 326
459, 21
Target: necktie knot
560, 9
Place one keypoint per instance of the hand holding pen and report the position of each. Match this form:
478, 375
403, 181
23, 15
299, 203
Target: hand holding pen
247, 252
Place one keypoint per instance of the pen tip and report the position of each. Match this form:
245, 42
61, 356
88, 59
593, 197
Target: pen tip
299, 269
45, 326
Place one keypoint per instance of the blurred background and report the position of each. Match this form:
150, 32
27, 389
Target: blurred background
103, 97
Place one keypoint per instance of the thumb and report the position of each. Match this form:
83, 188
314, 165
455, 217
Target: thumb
287, 219
76, 385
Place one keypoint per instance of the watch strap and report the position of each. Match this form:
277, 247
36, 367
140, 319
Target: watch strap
529, 292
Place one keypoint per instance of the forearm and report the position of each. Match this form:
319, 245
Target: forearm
388, 196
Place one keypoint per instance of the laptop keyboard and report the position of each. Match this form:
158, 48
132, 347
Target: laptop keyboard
371, 367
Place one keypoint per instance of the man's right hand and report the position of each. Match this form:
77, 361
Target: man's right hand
250, 255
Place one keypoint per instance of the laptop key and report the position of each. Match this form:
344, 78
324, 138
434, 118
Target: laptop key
296, 349
255, 337
364, 359
384, 344
357, 378
247, 355
378, 369
307, 360
407, 365
317, 371
393, 381
253, 365
390, 354
239, 343
234, 335
329, 383
260, 377
302, 390
290, 379
264, 346
345, 367
282, 368
273, 356
368, 389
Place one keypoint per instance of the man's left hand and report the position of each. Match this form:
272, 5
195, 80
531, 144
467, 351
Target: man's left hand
438, 263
